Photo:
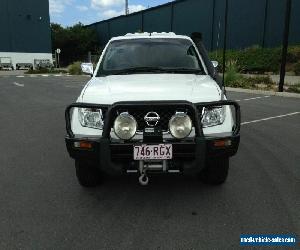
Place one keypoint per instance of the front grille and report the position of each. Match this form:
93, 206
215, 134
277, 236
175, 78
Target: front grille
165, 113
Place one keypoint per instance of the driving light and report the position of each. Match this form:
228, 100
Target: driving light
125, 126
91, 118
213, 116
180, 125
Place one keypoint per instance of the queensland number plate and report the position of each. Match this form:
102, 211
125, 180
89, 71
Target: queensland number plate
153, 152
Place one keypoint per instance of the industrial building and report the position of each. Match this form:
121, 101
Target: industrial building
250, 22
25, 34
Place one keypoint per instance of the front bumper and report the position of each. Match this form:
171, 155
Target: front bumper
188, 156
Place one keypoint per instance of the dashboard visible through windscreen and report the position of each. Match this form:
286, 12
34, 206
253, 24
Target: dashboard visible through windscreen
155, 55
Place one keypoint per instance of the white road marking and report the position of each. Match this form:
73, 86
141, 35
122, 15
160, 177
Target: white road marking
20, 76
254, 98
18, 84
271, 118
45, 75
57, 75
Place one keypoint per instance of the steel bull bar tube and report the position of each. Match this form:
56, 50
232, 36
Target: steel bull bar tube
237, 128
103, 143
109, 119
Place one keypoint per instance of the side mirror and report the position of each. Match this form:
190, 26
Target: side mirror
87, 68
215, 64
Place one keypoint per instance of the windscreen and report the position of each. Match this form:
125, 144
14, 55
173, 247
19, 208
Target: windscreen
154, 55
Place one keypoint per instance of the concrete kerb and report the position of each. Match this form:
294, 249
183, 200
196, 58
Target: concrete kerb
263, 92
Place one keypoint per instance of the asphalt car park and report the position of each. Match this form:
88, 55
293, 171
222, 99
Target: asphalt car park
43, 207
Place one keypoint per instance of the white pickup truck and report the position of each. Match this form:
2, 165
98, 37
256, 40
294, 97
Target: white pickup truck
154, 104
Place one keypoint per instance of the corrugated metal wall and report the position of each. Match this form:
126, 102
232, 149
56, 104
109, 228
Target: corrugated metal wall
250, 22
25, 26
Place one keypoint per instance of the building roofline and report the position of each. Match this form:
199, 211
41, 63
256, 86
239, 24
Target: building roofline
138, 12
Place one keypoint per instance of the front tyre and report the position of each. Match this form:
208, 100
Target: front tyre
87, 174
216, 171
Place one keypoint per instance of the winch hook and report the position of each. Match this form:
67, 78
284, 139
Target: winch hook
144, 180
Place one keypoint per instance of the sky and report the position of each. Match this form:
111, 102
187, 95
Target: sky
69, 12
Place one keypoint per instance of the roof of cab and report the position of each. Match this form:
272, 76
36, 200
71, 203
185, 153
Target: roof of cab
150, 35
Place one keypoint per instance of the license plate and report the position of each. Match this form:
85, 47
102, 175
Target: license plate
153, 152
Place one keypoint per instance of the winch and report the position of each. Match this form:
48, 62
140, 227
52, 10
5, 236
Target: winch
145, 166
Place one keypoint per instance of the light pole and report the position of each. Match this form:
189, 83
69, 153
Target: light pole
126, 7
225, 40
285, 43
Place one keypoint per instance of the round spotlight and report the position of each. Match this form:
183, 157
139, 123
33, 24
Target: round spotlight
180, 125
125, 126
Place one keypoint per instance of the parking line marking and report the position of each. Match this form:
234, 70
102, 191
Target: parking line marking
271, 118
254, 98
18, 84
20, 76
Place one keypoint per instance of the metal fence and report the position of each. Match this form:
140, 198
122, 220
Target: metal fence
250, 22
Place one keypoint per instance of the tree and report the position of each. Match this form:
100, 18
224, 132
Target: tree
75, 42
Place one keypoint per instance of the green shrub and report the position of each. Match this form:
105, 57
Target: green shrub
46, 71
256, 59
242, 82
261, 80
294, 88
297, 68
75, 68
58, 71
259, 60
293, 54
38, 71
231, 74
252, 82
231, 55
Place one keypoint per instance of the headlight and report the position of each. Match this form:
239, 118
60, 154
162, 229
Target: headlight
180, 125
91, 118
213, 116
125, 126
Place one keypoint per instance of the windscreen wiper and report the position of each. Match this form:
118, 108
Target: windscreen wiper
139, 70
184, 70
157, 70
